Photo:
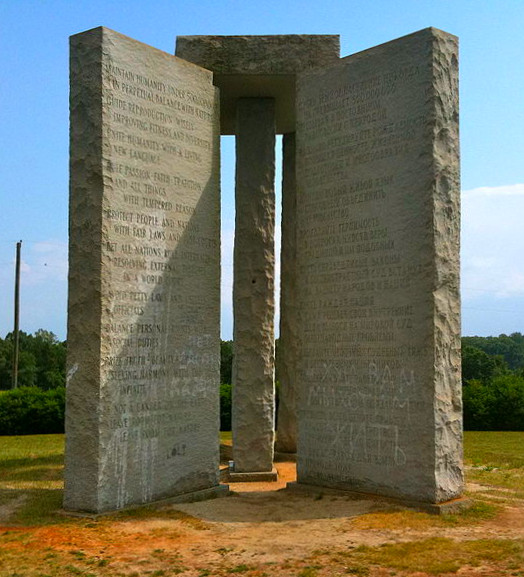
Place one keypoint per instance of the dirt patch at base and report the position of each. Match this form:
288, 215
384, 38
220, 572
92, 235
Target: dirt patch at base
261, 530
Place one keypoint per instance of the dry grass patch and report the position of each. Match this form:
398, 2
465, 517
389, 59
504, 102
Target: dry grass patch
437, 555
412, 520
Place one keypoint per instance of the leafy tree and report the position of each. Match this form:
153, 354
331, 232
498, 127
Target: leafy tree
41, 360
6, 363
27, 369
226, 362
476, 364
477, 399
507, 409
510, 347
32, 411
225, 406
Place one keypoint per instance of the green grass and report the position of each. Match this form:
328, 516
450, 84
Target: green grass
226, 436
499, 449
31, 476
31, 471
441, 555
33, 447
496, 458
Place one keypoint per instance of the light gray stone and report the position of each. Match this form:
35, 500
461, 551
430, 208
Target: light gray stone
259, 67
287, 354
142, 411
254, 477
378, 271
253, 287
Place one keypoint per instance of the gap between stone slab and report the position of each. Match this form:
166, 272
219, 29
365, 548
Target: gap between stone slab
446, 507
203, 495
280, 457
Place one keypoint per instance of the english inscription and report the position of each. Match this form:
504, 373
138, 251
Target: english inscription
159, 255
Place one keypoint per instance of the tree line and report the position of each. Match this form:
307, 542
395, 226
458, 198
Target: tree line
493, 382
492, 379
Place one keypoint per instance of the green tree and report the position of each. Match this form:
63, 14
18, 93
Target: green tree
477, 400
226, 362
510, 347
225, 406
476, 364
6, 364
32, 411
41, 360
507, 409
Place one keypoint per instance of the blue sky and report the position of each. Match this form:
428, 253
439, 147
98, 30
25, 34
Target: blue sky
34, 123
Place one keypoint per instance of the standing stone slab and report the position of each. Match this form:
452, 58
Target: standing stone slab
378, 271
143, 331
253, 287
287, 354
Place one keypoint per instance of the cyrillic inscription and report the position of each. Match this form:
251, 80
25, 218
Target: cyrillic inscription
366, 264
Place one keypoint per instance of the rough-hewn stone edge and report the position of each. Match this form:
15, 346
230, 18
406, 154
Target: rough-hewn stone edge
277, 54
252, 476
446, 507
81, 477
89, 185
444, 212
202, 495
449, 474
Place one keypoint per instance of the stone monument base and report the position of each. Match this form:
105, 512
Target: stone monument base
281, 457
191, 497
446, 507
251, 476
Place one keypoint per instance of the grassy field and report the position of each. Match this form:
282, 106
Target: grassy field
496, 459
37, 541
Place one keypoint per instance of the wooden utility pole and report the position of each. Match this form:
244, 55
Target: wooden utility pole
16, 333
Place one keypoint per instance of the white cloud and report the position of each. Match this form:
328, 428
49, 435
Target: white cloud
492, 242
508, 190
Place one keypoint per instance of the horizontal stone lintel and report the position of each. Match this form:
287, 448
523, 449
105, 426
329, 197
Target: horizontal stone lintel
259, 67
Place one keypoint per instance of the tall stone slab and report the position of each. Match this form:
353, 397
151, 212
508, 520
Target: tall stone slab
142, 412
254, 287
286, 361
378, 271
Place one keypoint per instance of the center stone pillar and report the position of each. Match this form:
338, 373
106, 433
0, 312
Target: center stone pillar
253, 289
287, 355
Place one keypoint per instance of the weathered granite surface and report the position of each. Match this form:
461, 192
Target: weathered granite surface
287, 355
259, 67
253, 287
143, 327
378, 271
257, 55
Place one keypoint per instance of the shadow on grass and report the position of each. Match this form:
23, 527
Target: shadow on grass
49, 468
30, 507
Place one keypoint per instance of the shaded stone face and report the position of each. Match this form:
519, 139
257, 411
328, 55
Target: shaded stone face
286, 441
377, 250
143, 335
